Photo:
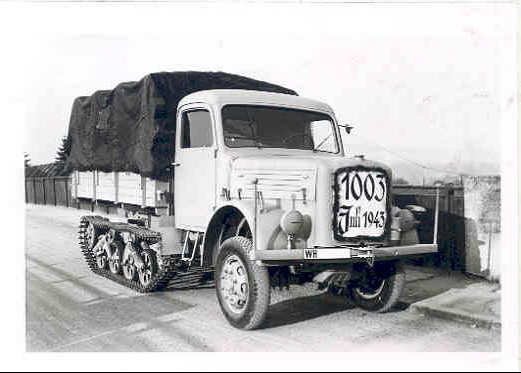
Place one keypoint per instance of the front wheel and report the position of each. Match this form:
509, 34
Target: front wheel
379, 287
243, 287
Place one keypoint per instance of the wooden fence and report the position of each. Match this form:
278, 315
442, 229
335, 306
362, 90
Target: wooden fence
48, 190
452, 222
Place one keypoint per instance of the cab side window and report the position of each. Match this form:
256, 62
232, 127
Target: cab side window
196, 129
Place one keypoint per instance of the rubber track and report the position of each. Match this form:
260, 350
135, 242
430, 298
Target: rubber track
169, 265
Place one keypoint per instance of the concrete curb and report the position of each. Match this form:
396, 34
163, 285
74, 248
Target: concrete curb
477, 305
460, 316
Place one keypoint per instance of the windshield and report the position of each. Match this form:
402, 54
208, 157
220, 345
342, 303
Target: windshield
274, 127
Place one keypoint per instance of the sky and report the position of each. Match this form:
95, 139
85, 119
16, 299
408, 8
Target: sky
428, 82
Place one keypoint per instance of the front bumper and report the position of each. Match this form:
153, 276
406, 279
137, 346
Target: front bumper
343, 254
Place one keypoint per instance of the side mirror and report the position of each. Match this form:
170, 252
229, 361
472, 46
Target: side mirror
346, 127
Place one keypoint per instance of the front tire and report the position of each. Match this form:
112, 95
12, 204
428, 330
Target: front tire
380, 287
242, 286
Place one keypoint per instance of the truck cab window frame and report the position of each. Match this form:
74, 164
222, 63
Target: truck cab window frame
261, 126
196, 129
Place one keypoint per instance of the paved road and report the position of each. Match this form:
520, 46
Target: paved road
70, 309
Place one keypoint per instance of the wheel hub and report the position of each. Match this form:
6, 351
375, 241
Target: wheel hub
234, 283
114, 264
129, 267
101, 261
145, 273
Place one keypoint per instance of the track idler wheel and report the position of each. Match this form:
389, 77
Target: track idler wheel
149, 269
91, 235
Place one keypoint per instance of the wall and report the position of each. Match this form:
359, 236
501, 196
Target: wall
483, 228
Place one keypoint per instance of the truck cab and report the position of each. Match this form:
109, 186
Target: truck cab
261, 155
270, 168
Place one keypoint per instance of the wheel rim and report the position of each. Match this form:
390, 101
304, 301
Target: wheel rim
129, 267
101, 261
146, 273
114, 259
234, 284
114, 264
90, 235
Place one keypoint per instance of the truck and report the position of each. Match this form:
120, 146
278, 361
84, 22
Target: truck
263, 196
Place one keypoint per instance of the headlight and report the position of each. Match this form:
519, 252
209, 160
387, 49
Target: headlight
291, 222
407, 220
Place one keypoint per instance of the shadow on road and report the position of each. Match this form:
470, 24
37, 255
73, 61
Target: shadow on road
119, 312
172, 288
432, 282
296, 310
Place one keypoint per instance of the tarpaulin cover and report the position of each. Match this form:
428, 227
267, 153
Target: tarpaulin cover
132, 127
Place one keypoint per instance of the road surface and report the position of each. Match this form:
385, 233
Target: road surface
71, 309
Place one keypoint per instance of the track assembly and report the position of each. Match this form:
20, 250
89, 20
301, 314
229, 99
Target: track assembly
125, 253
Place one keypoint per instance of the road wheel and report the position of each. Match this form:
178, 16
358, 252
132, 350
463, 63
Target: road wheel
243, 287
129, 266
149, 270
115, 258
101, 260
380, 287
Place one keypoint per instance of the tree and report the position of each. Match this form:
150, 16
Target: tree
64, 150
27, 160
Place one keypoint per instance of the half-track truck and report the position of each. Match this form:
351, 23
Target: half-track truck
264, 196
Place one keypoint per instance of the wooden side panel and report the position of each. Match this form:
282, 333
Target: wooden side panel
129, 188
120, 187
106, 186
85, 184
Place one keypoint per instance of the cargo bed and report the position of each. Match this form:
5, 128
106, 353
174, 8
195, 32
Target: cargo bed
119, 188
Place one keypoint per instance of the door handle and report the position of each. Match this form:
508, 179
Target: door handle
176, 164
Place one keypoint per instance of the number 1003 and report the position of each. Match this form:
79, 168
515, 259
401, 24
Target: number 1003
372, 186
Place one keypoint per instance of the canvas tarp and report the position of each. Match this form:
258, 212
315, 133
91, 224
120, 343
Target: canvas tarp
132, 127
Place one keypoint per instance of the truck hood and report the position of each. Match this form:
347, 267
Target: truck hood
281, 175
294, 161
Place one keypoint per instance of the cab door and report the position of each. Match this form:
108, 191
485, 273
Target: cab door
194, 175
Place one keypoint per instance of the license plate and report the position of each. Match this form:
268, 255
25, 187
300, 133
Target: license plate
318, 254
361, 203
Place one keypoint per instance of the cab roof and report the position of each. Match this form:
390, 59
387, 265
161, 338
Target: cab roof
221, 97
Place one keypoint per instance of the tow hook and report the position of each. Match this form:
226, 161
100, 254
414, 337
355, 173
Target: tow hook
366, 252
